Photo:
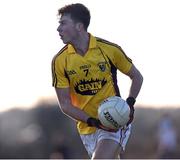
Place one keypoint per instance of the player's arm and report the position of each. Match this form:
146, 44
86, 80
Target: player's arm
137, 80
125, 65
75, 113
66, 106
121, 61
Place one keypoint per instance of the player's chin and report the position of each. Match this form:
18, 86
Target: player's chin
65, 41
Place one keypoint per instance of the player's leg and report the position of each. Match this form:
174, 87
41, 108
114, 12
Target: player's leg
106, 149
91, 141
111, 144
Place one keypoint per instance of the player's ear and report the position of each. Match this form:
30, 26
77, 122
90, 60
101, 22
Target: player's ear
79, 26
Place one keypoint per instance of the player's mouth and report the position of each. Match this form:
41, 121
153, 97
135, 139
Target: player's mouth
61, 36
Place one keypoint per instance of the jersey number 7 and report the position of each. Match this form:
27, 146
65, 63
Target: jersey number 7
86, 71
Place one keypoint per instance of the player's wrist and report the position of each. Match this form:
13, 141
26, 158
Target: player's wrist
131, 101
89, 121
92, 122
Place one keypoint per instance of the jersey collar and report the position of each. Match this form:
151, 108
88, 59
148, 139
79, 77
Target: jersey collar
92, 44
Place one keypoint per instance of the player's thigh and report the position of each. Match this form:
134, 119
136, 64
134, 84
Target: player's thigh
106, 149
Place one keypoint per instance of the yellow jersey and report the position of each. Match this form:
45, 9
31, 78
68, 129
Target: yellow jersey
92, 77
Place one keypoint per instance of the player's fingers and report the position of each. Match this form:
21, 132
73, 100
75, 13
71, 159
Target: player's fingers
131, 117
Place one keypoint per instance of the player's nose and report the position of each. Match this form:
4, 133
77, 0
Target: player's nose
59, 29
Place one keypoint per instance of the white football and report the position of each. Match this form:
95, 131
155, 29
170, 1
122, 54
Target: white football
114, 112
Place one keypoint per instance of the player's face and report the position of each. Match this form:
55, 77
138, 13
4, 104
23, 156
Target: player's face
67, 29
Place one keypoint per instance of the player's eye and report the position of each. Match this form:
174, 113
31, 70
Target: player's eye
62, 22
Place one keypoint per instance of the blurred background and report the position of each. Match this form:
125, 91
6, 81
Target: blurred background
44, 132
31, 123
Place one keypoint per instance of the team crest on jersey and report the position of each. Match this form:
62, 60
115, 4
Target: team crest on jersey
89, 87
102, 66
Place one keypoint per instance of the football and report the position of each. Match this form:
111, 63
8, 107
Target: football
114, 112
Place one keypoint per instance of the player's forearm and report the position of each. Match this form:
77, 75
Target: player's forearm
74, 112
67, 107
136, 84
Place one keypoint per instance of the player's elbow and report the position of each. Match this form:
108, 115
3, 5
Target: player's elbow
137, 78
136, 75
64, 108
140, 77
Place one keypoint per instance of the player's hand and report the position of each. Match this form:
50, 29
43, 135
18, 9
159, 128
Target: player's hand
131, 101
93, 122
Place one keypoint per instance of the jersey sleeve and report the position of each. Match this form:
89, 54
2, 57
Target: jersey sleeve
59, 76
120, 60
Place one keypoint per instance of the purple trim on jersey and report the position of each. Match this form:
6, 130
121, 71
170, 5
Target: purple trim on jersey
114, 77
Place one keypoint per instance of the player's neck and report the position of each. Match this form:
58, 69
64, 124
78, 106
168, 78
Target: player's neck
81, 44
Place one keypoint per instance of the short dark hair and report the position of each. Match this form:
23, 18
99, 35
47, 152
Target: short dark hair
78, 13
